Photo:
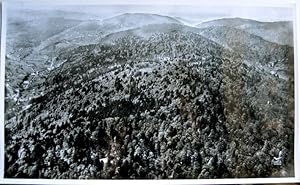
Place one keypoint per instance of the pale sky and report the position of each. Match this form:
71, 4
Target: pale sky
195, 13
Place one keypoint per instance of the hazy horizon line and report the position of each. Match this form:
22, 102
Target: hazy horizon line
197, 12
182, 19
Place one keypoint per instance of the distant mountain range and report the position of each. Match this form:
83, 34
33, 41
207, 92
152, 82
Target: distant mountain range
39, 41
59, 32
280, 32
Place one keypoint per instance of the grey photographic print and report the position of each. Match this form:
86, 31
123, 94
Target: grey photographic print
148, 91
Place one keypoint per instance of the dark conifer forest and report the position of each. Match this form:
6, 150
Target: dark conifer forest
145, 96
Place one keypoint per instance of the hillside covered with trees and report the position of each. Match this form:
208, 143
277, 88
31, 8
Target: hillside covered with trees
157, 101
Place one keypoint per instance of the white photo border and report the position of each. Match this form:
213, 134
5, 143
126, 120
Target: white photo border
295, 4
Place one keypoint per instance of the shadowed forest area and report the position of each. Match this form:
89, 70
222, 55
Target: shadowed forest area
146, 96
